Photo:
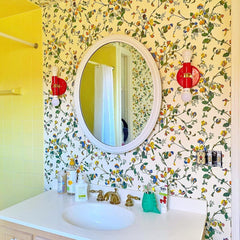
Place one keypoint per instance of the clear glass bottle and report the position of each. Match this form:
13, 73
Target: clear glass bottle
62, 182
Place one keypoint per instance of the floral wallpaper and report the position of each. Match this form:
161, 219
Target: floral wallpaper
166, 28
141, 92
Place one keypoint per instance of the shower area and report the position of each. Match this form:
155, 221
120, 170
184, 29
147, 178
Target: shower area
21, 104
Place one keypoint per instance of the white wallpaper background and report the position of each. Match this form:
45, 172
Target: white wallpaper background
166, 28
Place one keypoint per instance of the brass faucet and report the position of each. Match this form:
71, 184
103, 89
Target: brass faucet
114, 197
129, 201
100, 196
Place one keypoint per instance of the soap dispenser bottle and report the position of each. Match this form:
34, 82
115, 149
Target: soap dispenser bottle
81, 189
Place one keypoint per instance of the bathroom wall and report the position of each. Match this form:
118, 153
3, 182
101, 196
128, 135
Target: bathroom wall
166, 28
21, 122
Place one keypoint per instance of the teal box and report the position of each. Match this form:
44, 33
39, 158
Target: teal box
149, 203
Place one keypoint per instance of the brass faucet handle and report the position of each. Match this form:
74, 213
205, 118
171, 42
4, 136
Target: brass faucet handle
114, 197
100, 196
129, 201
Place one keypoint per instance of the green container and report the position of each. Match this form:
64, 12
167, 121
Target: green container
149, 203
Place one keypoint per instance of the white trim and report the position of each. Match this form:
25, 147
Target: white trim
235, 120
156, 93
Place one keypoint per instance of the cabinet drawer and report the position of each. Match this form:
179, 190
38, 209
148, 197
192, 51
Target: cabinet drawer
12, 234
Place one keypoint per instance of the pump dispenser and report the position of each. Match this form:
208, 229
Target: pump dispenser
81, 189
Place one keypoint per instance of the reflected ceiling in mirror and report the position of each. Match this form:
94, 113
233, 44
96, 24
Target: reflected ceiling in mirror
116, 94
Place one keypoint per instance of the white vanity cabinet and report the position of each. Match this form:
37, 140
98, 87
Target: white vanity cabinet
12, 231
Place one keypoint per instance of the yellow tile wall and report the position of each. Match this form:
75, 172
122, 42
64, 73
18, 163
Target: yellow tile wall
21, 117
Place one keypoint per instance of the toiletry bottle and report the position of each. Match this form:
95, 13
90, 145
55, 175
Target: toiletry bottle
62, 182
163, 198
71, 178
81, 190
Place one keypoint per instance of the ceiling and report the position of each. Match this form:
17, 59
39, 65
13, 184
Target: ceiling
12, 7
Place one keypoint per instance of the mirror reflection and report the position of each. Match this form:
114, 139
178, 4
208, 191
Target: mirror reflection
116, 94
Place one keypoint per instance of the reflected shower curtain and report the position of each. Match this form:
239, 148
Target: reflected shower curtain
104, 124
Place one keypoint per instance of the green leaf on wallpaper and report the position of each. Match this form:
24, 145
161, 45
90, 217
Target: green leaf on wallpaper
222, 181
210, 27
226, 124
157, 146
195, 97
175, 46
144, 155
204, 34
206, 40
120, 23
226, 54
227, 194
206, 176
206, 109
205, 169
190, 192
225, 146
189, 126
122, 11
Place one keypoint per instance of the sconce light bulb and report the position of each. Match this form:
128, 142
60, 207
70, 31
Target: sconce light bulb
187, 55
186, 95
55, 101
54, 71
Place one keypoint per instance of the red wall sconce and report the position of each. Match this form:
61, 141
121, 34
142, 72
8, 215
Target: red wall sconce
58, 86
188, 76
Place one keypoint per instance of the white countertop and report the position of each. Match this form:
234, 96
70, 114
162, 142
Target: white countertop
44, 212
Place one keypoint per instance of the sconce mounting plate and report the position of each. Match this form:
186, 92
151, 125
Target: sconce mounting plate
195, 76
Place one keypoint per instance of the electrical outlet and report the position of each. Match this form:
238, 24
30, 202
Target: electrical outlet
201, 157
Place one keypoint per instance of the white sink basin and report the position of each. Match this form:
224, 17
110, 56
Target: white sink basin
98, 216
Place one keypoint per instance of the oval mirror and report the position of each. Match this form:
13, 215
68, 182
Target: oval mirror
117, 94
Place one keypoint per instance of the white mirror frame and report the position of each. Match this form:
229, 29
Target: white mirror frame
157, 94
